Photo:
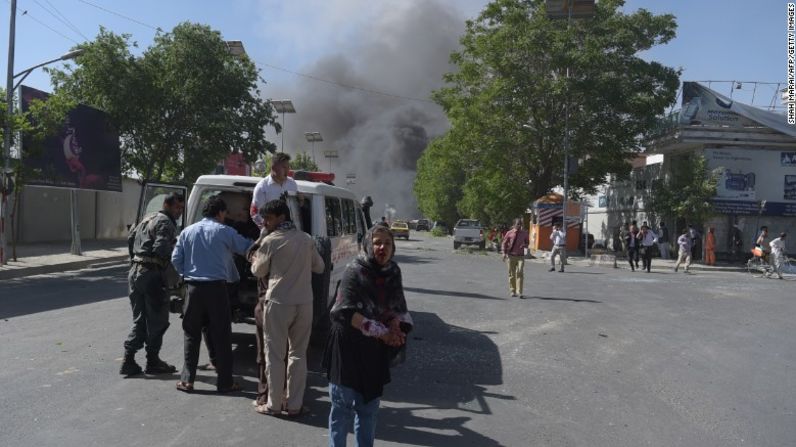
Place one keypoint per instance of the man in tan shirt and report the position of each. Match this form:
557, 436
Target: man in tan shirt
288, 258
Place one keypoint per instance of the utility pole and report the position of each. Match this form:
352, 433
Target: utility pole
4, 183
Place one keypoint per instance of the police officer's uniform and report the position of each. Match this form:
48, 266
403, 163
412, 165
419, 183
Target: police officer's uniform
150, 245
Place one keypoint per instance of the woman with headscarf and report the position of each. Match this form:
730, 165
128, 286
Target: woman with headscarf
370, 321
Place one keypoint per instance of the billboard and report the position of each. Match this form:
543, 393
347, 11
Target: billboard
748, 176
83, 154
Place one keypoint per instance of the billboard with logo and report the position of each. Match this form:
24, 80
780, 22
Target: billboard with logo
83, 154
748, 176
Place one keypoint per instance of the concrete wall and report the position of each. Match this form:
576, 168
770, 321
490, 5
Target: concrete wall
44, 213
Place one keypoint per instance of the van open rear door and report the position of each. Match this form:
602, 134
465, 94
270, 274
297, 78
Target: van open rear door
151, 199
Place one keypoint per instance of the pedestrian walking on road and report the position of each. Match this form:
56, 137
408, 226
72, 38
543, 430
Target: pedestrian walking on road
288, 257
370, 322
514, 244
710, 247
663, 241
559, 239
696, 239
202, 257
631, 242
778, 253
646, 240
684, 250
150, 244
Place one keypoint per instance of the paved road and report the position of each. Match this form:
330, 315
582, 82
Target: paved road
594, 357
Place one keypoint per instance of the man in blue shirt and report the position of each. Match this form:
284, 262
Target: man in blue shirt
202, 257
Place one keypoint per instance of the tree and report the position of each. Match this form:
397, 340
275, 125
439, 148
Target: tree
508, 100
302, 162
440, 173
686, 191
180, 107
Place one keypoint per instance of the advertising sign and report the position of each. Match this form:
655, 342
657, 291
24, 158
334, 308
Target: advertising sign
83, 154
751, 175
705, 107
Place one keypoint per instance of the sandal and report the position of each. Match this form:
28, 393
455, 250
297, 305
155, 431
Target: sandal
263, 409
231, 389
298, 413
186, 387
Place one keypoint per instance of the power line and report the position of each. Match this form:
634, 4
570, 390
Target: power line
65, 22
120, 15
29, 15
304, 75
350, 87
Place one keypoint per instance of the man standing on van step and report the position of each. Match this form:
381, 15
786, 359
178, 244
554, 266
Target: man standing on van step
150, 244
272, 186
288, 258
202, 257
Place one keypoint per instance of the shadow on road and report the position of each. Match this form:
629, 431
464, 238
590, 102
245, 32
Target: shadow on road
410, 259
451, 293
550, 298
41, 294
447, 371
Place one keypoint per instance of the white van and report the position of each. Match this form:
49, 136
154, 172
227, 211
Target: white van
332, 215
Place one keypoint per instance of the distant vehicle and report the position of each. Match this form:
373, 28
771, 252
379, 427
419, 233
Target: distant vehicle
413, 224
468, 232
400, 229
423, 225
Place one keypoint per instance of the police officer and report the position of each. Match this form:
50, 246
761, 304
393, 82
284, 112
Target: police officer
150, 244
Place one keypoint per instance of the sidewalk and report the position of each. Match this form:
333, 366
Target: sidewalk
41, 258
612, 261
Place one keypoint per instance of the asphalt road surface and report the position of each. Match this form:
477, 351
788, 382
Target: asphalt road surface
593, 357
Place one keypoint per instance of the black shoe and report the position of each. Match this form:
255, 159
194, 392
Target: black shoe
562, 270
552, 269
130, 367
157, 366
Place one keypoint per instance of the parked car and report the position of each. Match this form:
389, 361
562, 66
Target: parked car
468, 232
423, 225
413, 224
400, 229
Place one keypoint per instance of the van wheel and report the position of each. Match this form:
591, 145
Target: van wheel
482, 245
456, 245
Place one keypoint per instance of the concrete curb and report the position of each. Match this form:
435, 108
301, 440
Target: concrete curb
21, 272
611, 261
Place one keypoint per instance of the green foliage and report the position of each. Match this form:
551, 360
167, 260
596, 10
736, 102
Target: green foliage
301, 162
438, 182
438, 232
180, 107
507, 104
687, 190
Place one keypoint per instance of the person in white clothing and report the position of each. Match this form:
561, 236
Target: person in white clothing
559, 239
646, 239
778, 253
273, 186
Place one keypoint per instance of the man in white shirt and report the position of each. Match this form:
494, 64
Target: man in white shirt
272, 186
559, 239
778, 253
646, 238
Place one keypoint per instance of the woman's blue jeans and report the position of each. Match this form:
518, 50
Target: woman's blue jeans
347, 403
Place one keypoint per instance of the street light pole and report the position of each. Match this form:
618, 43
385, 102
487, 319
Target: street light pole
7, 135
283, 106
312, 138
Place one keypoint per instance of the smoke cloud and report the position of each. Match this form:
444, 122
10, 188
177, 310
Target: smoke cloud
404, 51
